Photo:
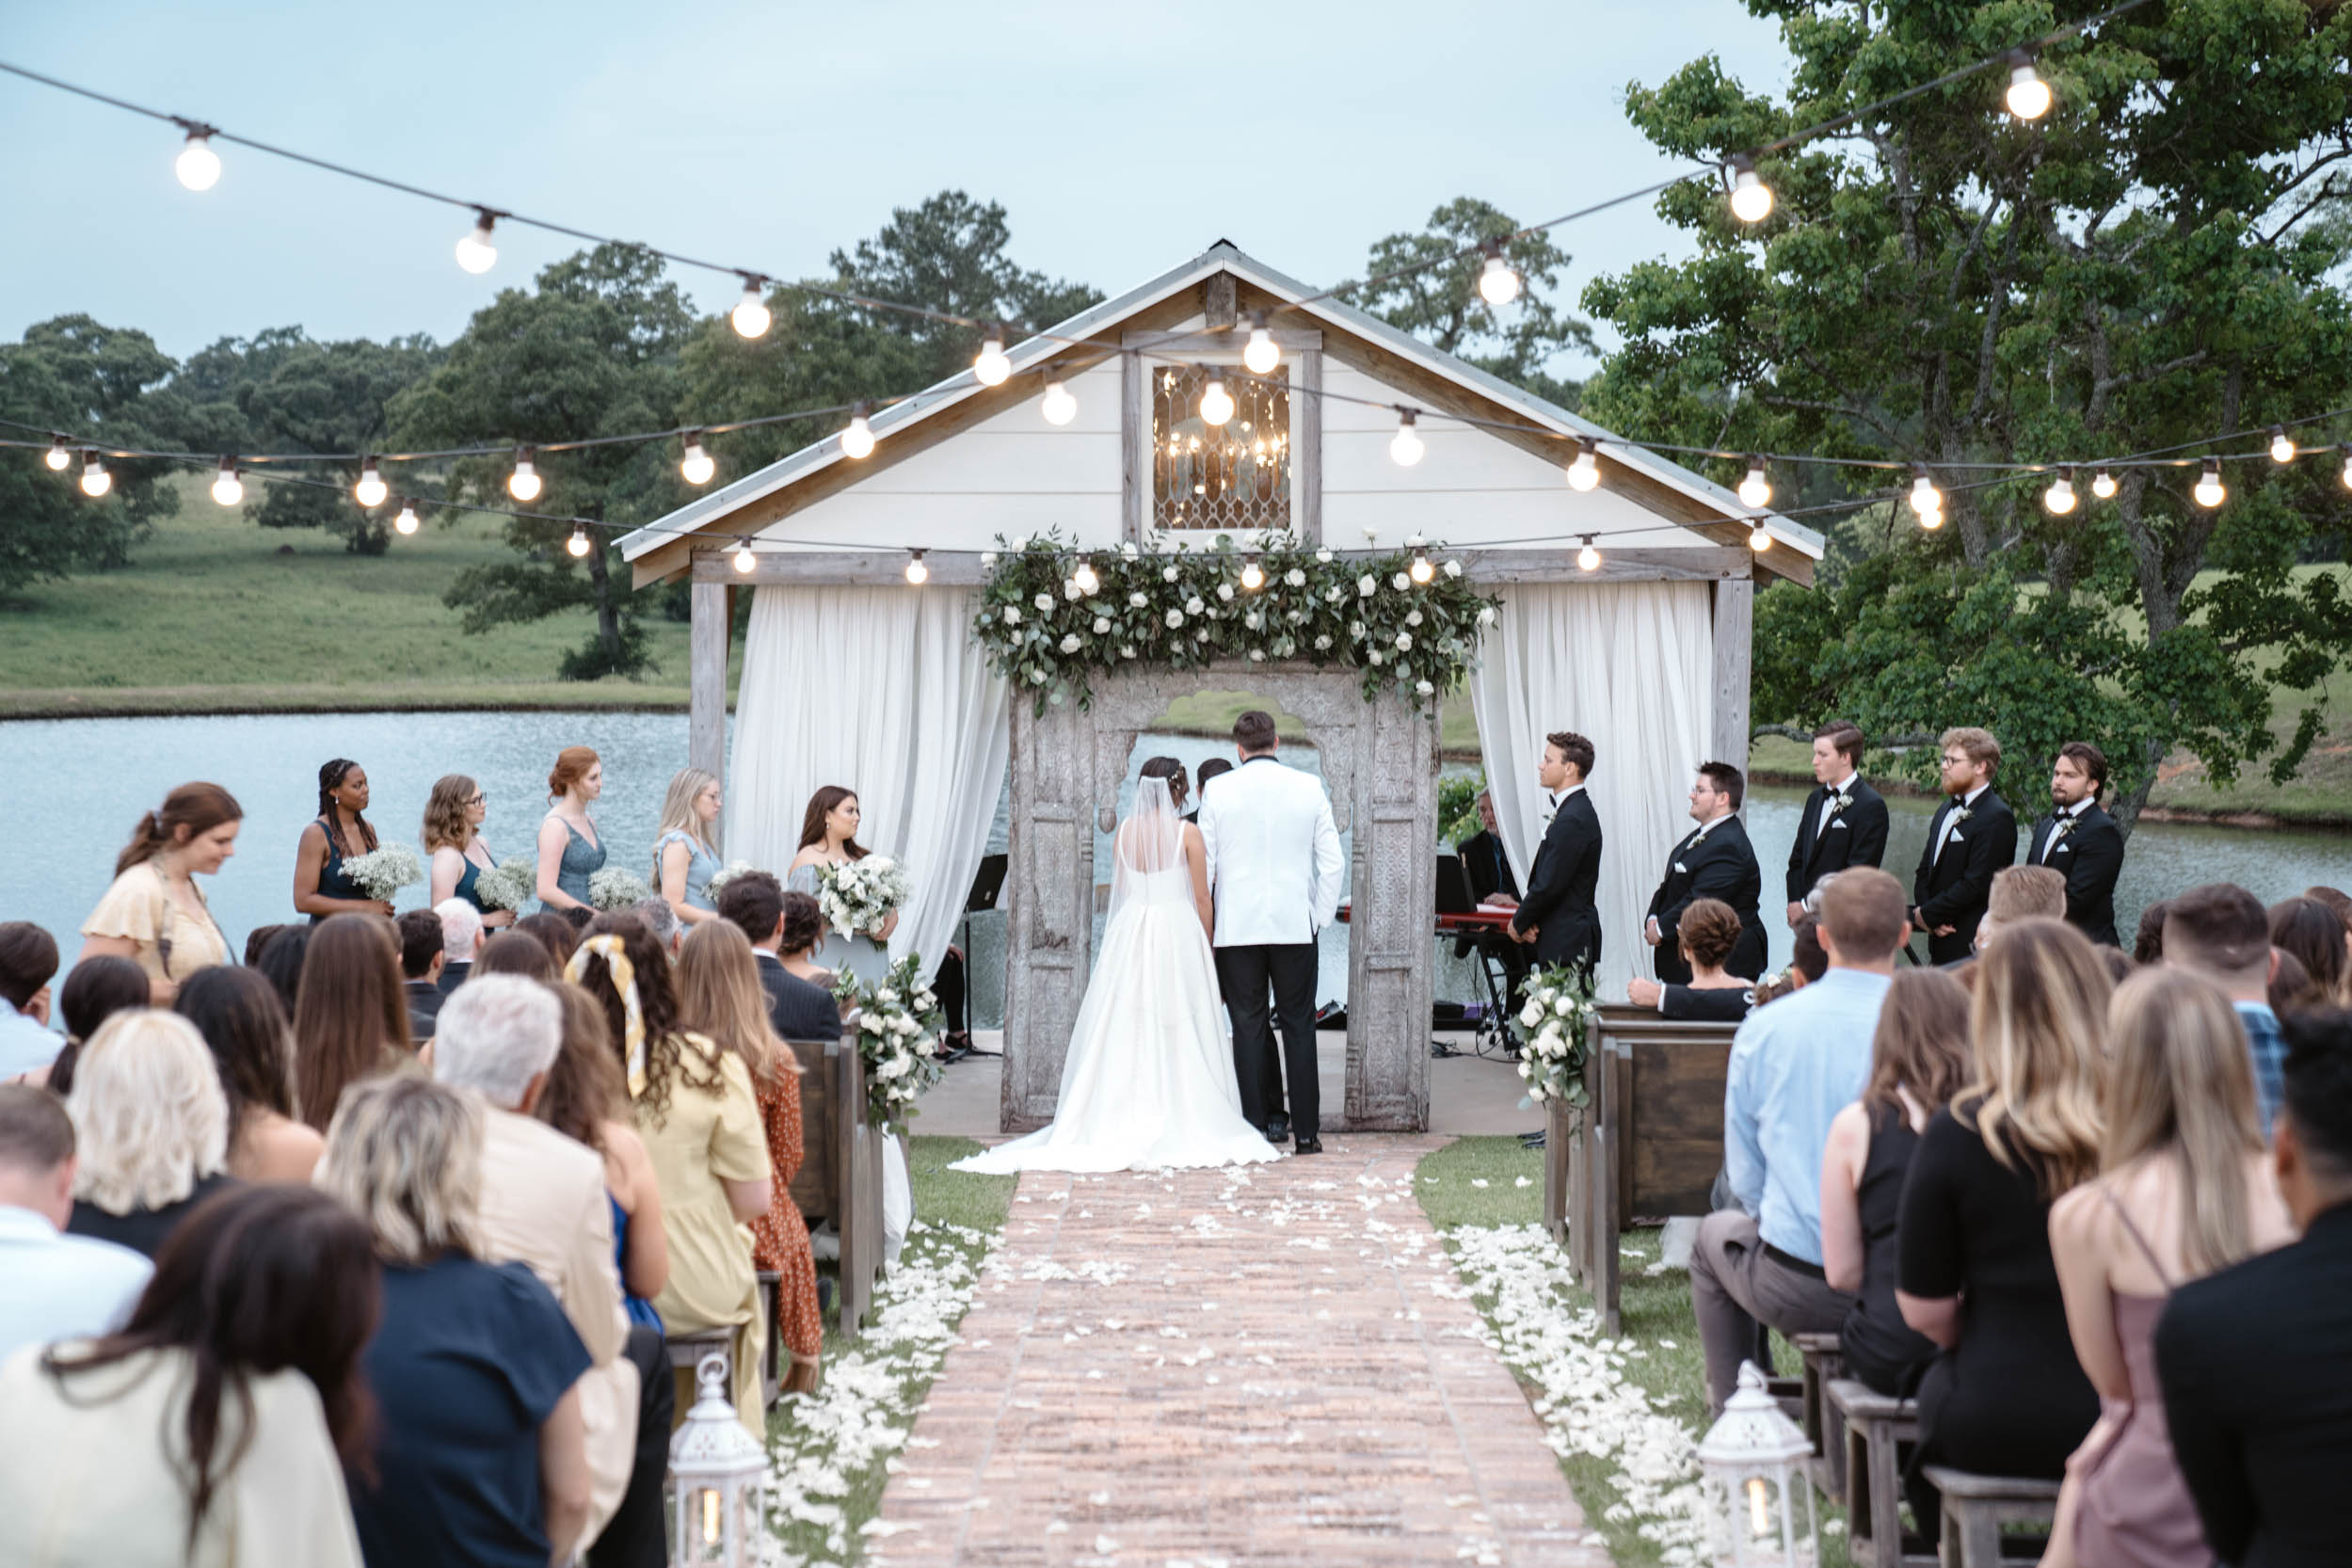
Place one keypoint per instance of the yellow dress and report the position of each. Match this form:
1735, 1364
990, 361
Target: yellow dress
701, 1139
138, 906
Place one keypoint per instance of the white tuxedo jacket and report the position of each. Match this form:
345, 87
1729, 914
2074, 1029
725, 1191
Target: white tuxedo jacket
1273, 853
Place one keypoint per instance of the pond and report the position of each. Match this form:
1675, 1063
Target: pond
79, 784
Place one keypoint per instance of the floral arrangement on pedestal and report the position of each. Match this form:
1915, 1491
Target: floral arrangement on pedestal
857, 896
616, 888
1051, 615
509, 885
382, 872
898, 1025
1551, 1030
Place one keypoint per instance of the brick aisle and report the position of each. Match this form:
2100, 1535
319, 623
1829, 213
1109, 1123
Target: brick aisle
1227, 1367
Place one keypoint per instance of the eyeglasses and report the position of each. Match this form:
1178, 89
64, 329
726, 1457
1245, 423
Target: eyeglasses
1960, 761
479, 800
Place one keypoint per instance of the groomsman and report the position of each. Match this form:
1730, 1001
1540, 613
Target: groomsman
2079, 838
1974, 834
1714, 861
1558, 914
1845, 820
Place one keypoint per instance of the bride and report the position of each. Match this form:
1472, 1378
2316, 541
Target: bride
1149, 1082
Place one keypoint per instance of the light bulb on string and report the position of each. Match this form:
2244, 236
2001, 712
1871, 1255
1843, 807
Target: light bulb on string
1751, 198
1262, 357
406, 521
696, 466
1585, 472
2028, 95
478, 252
857, 439
2103, 485
2347, 466
1924, 497
2282, 444
1084, 576
227, 489
1589, 558
744, 559
1405, 447
1498, 281
1421, 571
990, 365
2210, 491
578, 544
1760, 537
1253, 575
524, 484
371, 490
1933, 518
1216, 402
198, 165
59, 456
1060, 408
96, 481
2059, 498
1757, 489
917, 573
751, 315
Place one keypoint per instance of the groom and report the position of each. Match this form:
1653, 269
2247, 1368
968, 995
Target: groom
1274, 869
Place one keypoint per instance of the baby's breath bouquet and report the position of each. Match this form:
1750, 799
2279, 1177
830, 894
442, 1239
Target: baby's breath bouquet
1550, 1029
616, 888
898, 1035
721, 878
382, 872
508, 886
857, 896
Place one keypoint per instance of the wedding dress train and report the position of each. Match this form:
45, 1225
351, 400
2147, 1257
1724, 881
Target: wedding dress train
1148, 1080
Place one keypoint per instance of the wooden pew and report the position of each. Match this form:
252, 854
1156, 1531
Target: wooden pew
840, 1167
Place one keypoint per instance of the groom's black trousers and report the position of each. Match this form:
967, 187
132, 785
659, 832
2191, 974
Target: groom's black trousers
1245, 974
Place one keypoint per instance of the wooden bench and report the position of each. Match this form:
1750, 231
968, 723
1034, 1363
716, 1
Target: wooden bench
840, 1167
1977, 1507
1825, 1361
1876, 1427
686, 1351
772, 1364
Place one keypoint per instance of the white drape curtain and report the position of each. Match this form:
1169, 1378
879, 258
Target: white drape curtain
1628, 666
881, 690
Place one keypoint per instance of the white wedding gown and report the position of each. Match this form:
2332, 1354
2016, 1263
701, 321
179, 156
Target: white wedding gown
1148, 1080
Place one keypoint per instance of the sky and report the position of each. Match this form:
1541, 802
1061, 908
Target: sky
1120, 139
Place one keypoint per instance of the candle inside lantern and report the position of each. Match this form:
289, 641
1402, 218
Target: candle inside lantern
710, 1518
1759, 1506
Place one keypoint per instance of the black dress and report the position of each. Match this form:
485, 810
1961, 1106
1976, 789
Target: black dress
1880, 1348
1727, 1004
2009, 1399
142, 1230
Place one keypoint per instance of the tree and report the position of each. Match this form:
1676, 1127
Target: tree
591, 351
1942, 284
1441, 304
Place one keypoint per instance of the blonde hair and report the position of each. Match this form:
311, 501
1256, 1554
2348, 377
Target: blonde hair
719, 994
404, 1154
677, 812
2038, 1022
2180, 1079
445, 823
149, 1117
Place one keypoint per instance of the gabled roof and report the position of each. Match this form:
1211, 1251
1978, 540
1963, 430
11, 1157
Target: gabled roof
1057, 341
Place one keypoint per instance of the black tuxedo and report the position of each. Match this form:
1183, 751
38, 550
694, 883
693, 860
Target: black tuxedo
1953, 890
2256, 1366
2091, 856
1558, 901
1487, 867
1856, 836
1715, 861
424, 1006
454, 975
796, 1009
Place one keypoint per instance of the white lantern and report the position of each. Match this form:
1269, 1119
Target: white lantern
718, 1478
1759, 1499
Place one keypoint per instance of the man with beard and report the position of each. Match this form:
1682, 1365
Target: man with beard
2080, 840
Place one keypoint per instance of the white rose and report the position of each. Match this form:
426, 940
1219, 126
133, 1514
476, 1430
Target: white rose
1323, 556
1167, 574
1537, 1093
1011, 615
1126, 652
1413, 618
1404, 642
1071, 643
1400, 582
1192, 606
1201, 635
987, 560
1549, 1035
1258, 656
1376, 657
1331, 596
1531, 1015
1365, 586
1176, 618
1071, 590
886, 998
1225, 591
1253, 620
1295, 578
1323, 639
1037, 677
1043, 601
1127, 550
1565, 1006
1136, 601
1486, 614
1424, 688
1102, 624
1020, 544
1454, 568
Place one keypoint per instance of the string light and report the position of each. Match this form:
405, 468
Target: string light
96, 481
1253, 576
1931, 520
696, 466
1405, 445
524, 484
2103, 485
1585, 472
1760, 537
2028, 95
1751, 198
917, 572
198, 165
1420, 571
2347, 466
2282, 444
857, 441
406, 521
2210, 491
1060, 407
990, 365
1084, 576
1262, 357
1216, 402
1589, 558
1924, 497
227, 487
751, 315
578, 544
744, 559
477, 253
371, 490
1757, 489
2059, 498
1498, 281
57, 456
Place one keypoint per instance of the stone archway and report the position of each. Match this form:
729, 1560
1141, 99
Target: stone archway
1380, 761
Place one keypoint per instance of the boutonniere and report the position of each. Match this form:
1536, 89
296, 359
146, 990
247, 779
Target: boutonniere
2066, 826
1962, 813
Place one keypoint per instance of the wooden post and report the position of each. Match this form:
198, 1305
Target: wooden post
1735, 636
706, 702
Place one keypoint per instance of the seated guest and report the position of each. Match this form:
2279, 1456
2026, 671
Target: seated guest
154, 913
225, 1408
420, 959
258, 939
1709, 931
2256, 1361
718, 995
480, 1454
462, 941
2291, 989
1807, 962
700, 1116
2222, 931
1976, 1217
153, 1128
783, 927
2020, 893
96, 990
554, 933
1918, 1060
663, 921
518, 953
1794, 1066
28, 960
2185, 1190
544, 1205
2339, 901
283, 959
2313, 934
350, 1017
237, 1012
579, 917
2148, 943
584, 1101
53, 1286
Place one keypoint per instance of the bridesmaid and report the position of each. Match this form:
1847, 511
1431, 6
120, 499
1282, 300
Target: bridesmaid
828, 837
569, 850
320, 889
453, 837
685, 857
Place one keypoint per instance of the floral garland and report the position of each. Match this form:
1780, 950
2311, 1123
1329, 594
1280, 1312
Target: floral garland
1552, 1033
1051, 617
897, 1030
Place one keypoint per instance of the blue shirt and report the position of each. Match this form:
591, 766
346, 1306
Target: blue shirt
25, 1044
2270, 1054
57, 1286
1794, 1065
